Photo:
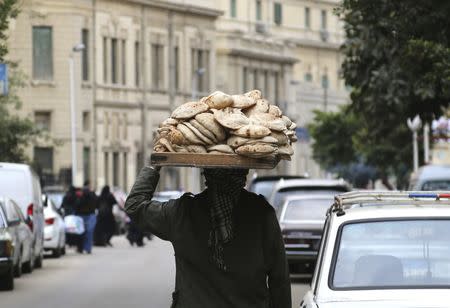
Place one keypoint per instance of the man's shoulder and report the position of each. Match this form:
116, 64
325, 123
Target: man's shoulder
255, 201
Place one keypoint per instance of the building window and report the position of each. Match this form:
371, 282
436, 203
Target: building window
233, 11
86, 121
114, 60
124, 62
258, 10
200, 69
43, 158
106, 166
86, 162
115, 169
42, 119
137, 69
244, 79
277, 13
323, 20
85, 54
157, 66
325, 81
176, 67
42, 53
277, 87
125, 171
307, 18
105, 60
308, 77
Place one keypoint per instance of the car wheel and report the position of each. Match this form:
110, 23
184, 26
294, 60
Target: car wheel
7, 280
38, 261
63, 250
56, 253
18, 267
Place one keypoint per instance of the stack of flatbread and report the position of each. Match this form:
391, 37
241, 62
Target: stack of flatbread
243, 124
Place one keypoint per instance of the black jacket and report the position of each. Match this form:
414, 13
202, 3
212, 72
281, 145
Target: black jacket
257, 275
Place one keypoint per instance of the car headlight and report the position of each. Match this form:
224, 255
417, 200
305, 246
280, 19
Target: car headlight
6, 249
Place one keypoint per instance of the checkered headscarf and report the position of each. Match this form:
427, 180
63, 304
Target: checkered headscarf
224, 187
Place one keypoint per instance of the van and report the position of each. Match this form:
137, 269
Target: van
431, 177
20, 183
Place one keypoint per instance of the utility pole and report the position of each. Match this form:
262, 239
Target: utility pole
172, 60
94, 93
144, 141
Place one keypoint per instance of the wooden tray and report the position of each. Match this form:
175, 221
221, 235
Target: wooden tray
212, 161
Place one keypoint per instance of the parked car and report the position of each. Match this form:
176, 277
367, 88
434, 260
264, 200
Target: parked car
384, 249
431, 177
263, 185
54, 231
20, 183
56, 193
301, 222
285, 188
15, 244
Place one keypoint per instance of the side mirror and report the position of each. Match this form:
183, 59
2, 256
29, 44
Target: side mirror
14, 222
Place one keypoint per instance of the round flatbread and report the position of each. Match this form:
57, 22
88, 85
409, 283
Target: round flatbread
219, 100
224, 148
210, 123
189, 110
282, 139
242, 101
203, 130
256, 150
202, 137
261, 106
252, 131
189, 134
196, 149
275, 111
255, 94
231, 118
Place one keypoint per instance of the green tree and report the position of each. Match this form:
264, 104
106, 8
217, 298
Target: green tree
397, 62
15, 132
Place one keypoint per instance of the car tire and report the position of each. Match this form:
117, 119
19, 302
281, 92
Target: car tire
7, 280
28, 266
63, 250
56, 253
18, 267
38, 261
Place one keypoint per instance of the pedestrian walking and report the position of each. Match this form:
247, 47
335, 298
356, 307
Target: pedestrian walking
70, 204
86, 209
228, 246
106, 224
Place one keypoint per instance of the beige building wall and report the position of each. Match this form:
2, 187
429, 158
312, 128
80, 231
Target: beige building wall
116, 117
276, 36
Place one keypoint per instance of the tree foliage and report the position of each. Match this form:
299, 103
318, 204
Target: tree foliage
15, 132
397, 62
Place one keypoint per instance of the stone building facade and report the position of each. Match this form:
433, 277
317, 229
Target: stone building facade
143, 57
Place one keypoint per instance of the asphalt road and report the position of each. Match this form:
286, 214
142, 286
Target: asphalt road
117, 277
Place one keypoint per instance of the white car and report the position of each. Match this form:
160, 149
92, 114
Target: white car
54, 231
384, 249
20, 183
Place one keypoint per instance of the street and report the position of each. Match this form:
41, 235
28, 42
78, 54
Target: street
117, 277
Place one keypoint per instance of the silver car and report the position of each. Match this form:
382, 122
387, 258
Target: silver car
301, 221
384, 249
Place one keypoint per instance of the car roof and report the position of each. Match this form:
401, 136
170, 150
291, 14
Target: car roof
307, 197
15, 166
433, 172
391, 204
276, 177
310, 183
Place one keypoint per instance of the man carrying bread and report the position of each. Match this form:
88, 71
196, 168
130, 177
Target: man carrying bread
228, 246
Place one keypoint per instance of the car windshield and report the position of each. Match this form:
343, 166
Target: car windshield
306, 209
281, 195
263, 188
57, 198
436, 185
12, 184
393, 254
